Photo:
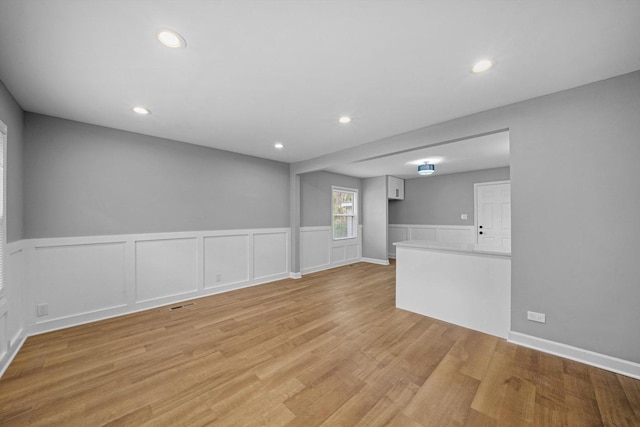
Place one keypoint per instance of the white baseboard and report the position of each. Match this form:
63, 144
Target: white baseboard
84, 318
609, 363
16, 345
293, 275
375, 261
329, 266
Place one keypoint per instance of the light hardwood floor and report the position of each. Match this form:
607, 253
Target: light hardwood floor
328, 349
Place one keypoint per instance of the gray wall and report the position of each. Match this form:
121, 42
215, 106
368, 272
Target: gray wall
315, 196
374, 218
575, 203
440, 199
12, 116
82, 180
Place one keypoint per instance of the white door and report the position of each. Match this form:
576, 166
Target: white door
493, 215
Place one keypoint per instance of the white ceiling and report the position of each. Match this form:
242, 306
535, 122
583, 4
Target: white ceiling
483, 152
256, 72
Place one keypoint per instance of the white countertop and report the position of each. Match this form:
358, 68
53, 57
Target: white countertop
451, 247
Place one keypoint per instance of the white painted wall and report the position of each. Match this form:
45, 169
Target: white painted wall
467, 289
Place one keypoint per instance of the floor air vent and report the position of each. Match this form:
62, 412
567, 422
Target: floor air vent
177, 307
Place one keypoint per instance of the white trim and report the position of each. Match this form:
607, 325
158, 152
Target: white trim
325, 253
603, 361
71, 314
375, 261
441, 234
295, 275
355, 215
90, 317
12, 352
455, 227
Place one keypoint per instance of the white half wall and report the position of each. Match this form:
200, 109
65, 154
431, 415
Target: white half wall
319, 251
431, 233
467, 289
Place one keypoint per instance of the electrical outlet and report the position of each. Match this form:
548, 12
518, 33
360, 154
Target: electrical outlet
42, 309
218, 277
536, 317
464, 216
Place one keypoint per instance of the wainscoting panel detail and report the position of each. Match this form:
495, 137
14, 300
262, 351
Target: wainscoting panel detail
12, 333
270, 254
338, 254
4, 339
226, 260
320, 252
165, 268
315, 244
434, 233
84, 279
73, 279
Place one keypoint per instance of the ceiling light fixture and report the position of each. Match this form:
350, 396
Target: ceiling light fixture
426, 169
141, 110
171, 39
279, 145
344, 119
482, 66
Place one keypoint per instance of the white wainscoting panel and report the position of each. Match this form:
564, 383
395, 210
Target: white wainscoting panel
432, 233
166, 268
423, 233
320, 252
338, 254
76, 279
12, 331
15, 285
270, 254
315, 248
353, 252
89, 278
226, 260
4, 338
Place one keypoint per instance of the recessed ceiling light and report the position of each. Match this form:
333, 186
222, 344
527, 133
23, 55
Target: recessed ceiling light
279, 145
482, 66
171, 39
142, 110
344, 119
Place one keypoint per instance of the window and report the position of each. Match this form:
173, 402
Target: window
344, 207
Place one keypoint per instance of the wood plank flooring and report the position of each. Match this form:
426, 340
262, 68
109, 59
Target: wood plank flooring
329, 349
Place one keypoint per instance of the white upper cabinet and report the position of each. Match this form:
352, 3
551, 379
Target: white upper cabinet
396, 188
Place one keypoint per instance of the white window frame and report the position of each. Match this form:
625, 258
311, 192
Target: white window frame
335, 188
